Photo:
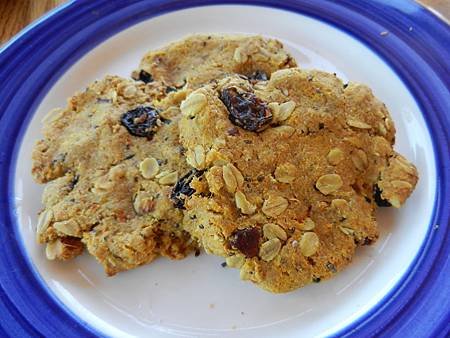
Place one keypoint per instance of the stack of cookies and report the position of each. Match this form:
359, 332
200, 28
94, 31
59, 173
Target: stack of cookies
220, 143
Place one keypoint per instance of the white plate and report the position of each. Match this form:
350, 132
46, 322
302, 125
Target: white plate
197, 296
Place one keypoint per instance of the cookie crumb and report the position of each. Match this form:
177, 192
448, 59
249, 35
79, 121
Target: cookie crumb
211, 305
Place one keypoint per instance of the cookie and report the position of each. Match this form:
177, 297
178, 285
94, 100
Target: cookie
111, 158
288, 173
198, 59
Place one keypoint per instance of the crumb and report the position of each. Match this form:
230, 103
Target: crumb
242, 313
223, 264
234, 327
211, 306
384, 33
410, 29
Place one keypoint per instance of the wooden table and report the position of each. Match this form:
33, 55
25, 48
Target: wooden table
16, 14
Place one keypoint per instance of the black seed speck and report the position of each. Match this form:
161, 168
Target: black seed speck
142, 121
331, 267
223, 264
182, 189
316, 280
145, 76
345, 85
74, 182
321, 125
380, 201
197, 253
246, 110
170, 89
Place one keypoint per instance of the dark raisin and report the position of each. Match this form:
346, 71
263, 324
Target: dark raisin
331, 267
197, 253
246, 110
223, 264
380, 201
102, 100
345, 85
142, 121
259, 75
145, 76
246, 241
368, 200
182, 189
321, 125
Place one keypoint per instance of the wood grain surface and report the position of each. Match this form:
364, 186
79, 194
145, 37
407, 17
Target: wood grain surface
16, 14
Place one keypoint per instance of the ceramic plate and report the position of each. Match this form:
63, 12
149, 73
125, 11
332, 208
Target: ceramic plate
398, 287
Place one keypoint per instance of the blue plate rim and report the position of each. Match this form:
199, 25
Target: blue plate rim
428, 277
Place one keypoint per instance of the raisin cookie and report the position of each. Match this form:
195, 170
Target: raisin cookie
111, 158
197, 59
287, 174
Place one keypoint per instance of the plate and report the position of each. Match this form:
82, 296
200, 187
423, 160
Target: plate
400, 50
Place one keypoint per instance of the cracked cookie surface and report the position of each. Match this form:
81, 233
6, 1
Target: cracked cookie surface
110, 159
291, 172
198, 59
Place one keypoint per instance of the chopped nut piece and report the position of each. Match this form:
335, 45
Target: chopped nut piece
270, 249
329, 183
275, 205
272, 230
149, 167
194, 103
335, 156
243, 204
309, 244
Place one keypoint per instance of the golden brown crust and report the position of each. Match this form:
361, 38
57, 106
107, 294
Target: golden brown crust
199, 59
99, 195
288, 205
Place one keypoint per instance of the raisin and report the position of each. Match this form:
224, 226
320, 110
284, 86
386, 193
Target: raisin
142, 121
246, 241
182, 189
145, 76
380, 201
246, 110
259, 75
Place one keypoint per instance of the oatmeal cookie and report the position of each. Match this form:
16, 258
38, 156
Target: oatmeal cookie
198, 59
111, 158
287, 174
